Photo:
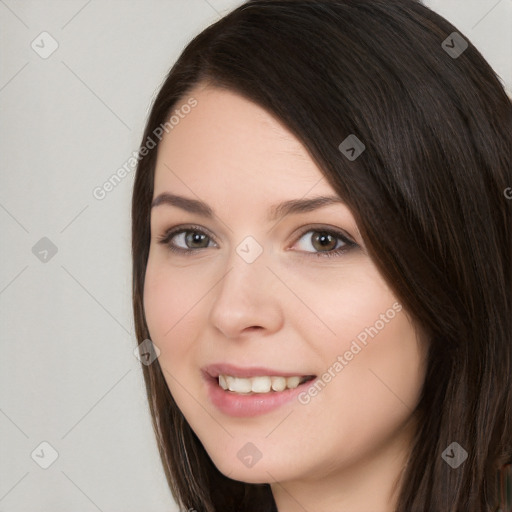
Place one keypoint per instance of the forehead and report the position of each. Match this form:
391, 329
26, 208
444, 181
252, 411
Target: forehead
228, 141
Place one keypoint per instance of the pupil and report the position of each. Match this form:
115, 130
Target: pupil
194, 238
325, 239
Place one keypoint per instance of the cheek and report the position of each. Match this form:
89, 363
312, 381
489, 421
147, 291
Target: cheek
171, 300
361, 310
381, 355
374, 391
390, 364
374, 367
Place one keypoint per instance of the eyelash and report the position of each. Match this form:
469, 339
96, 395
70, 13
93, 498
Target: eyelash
166, 238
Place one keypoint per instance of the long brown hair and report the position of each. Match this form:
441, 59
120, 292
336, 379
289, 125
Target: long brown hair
428, 194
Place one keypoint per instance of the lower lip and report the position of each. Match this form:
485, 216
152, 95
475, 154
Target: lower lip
243, 406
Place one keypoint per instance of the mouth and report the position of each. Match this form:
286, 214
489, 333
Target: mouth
261, 384
243, 392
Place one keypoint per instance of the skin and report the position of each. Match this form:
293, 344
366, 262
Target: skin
289, 309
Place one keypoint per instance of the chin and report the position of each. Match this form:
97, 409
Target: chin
261, 472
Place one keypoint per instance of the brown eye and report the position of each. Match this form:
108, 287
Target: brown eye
196, 240
186, 240
325, 242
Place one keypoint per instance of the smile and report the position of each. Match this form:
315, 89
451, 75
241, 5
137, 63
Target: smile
246, 392
262, 384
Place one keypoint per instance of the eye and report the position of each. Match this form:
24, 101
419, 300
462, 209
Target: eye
185, 239
327, 242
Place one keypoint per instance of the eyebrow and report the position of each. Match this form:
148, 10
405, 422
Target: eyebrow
292, 206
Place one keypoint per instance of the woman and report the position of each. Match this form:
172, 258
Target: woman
322, 262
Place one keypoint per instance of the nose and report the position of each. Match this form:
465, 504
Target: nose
248, 298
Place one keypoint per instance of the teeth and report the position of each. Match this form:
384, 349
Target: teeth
222, 382
292, 382
239, 385
278, 383
262, 384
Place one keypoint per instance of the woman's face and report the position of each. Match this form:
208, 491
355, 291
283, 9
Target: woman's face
252, 292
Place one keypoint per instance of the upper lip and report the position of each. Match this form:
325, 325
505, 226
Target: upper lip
214, 370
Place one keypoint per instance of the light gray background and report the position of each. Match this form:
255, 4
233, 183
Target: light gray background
67, 123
